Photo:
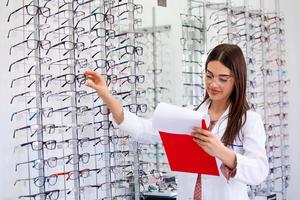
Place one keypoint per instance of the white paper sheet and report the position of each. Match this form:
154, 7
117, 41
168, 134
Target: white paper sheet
178, 120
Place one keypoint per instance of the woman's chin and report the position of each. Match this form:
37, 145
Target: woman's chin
215, 97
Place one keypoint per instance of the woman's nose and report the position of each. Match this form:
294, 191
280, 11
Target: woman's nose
213, 84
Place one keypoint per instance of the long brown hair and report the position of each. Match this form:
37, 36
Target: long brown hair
232, 57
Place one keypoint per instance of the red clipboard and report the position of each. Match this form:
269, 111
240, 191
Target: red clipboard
184, 155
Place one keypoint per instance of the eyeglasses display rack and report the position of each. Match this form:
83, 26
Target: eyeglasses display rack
193, 43
161, 181
70, 148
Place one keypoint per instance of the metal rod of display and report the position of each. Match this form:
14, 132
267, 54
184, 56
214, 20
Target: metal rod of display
204, 28
73, 98
247, 28
192, 57
265, 88
204, 35
189, 5
135, 145
229, 19
281, 99
155, 82
194, 9
38, 88
251, 193
107, 148
154, 57
27, 137
247, 31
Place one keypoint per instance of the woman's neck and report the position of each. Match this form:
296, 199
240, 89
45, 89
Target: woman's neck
218, 107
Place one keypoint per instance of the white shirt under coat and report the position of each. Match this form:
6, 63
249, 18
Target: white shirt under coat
252, 162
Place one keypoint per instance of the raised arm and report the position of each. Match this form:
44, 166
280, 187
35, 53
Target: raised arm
98, 83
139, 128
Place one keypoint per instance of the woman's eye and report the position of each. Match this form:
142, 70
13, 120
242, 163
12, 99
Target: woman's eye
223, 80
208, 76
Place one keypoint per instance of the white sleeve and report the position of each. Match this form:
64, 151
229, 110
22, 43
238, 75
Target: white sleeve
252, 165
139, 128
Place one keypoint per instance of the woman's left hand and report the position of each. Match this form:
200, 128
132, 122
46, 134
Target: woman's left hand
208, 141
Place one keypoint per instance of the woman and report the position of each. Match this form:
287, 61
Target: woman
235, 137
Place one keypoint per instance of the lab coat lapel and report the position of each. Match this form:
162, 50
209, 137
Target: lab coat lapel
220, 126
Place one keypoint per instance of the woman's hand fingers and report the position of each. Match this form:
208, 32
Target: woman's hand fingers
92, 78
92, 75
90, 72
200, 143
207, 140
95, 80
197, 130
202, 135
91, 84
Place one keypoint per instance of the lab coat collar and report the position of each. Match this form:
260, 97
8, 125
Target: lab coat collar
204, 108
221, 124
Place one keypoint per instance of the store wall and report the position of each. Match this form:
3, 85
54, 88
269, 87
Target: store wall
169, 16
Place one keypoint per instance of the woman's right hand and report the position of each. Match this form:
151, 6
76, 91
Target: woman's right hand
96, 82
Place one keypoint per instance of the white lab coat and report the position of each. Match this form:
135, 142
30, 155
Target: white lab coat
252, 162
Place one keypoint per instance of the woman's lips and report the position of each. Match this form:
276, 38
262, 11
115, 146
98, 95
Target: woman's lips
214, 92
